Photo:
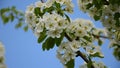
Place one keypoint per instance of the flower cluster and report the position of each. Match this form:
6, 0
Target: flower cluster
47, 22
53, 23
66, 51
2, 65
106, 13
79, 27
81, 30
95, 64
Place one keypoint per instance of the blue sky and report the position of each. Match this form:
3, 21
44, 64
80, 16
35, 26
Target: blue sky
23, 51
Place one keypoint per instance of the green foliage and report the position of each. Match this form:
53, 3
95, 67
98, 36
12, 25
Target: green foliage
116, 17
100, 42
48, 44
25, 28
96, 18
59, 40
38, 12
116, 52
42, 36
113, 2
67, 17
89, 64
87, 38
97, 54
89, 5
70, 64
18, 25
10, 14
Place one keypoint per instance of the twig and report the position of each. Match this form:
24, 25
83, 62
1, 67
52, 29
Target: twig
97, 36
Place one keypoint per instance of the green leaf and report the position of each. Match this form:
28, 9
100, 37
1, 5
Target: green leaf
38, 12
59, 40
116, 53
5, 20
18, 25
70, 64
97, 54
42, 36
67, 17
57, 5
96, 17
87, 38
89, 5
89, 64
48, 44
50, 9
116, 15
12, 17
25, 28
100, 42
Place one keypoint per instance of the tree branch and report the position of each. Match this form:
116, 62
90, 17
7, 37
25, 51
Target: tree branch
96, 36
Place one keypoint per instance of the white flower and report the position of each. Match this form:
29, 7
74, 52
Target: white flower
40, 26
63, 46
75, 45
92, 49
62, 24
51, 25
49, 3
69, 6
39, 4
80, 32
69, 54
60, 1
54, 33
30, 9
65, 53
30, 19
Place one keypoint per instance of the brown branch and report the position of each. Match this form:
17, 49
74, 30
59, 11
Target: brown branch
82, 56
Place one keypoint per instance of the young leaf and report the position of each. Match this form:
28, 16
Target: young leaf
59, 40
89, 5
18, 25
12, 17
38, 12
89, 64
96, 17
42, 36
97, 54
87, 38
70, 64
25, 28
5, 20
48, 44
67, 17
100, 42
57, 5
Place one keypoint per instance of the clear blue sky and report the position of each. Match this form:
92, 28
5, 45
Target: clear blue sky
23, 51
